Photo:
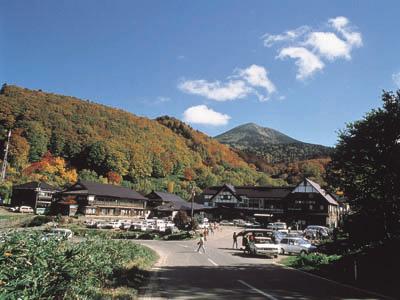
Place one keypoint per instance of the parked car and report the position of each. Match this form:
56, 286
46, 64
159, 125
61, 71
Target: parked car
252, 225
321, 230
296, 245
226, 223
264, 246
90, 224
14, 209
125, 224
104, 225
26, 209
279, 226
239, 222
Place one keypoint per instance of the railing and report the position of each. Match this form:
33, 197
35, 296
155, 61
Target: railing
116, 203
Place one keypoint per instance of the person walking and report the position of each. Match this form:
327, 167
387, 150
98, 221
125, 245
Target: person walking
235, 243
201, 244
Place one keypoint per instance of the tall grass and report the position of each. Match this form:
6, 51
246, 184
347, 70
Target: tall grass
32, 267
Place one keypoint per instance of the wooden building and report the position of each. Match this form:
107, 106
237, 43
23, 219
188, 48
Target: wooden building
232, 202
309, 204
37, 195
97, 199
167, 204
304, 204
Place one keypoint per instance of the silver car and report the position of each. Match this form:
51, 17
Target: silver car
296, 245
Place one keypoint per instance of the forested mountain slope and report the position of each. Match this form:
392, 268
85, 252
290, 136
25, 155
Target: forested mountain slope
99, 141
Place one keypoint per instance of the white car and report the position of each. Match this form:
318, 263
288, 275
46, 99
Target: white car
297, 245
279, 226
264, 246
126, 224
26, 209
90, 224
115, 224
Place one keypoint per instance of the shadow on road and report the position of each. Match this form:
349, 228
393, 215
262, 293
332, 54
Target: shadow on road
247, 282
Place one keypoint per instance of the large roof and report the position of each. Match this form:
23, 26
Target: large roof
173, 206
173, 202
108, 190
320, 190
34, 185
251, 191
164, 196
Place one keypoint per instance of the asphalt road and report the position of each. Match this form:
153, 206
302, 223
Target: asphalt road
224, 273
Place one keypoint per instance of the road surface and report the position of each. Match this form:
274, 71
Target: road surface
224, 273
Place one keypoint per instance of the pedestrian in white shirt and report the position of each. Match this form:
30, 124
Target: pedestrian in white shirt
201, 244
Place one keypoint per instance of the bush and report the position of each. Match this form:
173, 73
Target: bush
48, 269
38, 221
184, 235
312, 261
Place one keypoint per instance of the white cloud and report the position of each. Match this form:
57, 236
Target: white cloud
234, 89
241, 84
327, 44
201, 114
310, 47
290, 35
341, 24
257, 76
396, 79
307, 62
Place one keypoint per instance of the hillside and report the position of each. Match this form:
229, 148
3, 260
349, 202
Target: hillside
270, 145
97, 141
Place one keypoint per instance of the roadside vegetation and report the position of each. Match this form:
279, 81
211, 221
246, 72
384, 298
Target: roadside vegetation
34, 267
168, 235
365, 168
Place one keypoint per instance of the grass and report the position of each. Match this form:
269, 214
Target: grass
35, 268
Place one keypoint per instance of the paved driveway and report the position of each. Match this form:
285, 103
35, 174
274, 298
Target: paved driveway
224, 273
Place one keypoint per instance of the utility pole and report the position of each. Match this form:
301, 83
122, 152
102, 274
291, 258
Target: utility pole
193, 194
4, 166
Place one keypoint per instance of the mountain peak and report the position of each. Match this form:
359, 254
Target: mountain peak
250, 134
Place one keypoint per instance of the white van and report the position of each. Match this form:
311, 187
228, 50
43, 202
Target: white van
26, 209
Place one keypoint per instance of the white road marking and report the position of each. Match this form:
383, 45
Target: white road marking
185, 246
257, 290
213, 262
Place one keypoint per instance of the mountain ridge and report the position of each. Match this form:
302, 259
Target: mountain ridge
270, 144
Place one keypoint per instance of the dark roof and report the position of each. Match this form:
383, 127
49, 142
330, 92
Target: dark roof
174, 202
252, 191
164, 196
100, 189
34, 185
172, 206
324, 193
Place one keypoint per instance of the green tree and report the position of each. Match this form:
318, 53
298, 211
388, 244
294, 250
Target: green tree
366, 165
37, 138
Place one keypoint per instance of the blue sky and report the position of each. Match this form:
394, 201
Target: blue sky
304, 68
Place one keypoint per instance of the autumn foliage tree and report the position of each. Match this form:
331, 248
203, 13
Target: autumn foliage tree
52, 170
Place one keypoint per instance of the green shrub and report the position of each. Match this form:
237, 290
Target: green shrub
34, 268
184, 235
312, 261
38, 221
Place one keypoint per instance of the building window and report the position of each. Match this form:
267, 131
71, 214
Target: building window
311, 206
321, 207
